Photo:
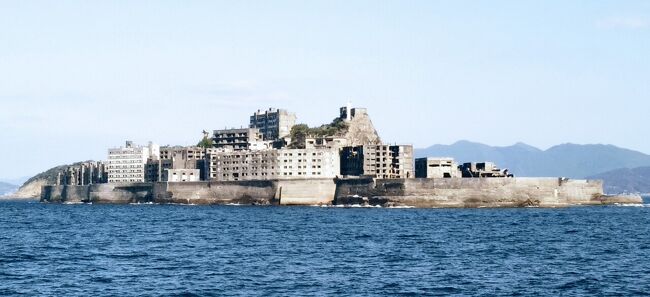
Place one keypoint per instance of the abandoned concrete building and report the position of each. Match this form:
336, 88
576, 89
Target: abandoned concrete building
86, 173
483, 169
325, 142
180, 175
128, 163
237, 139
309, 163
347, 113
436, 168
174, 158
272, 164
379, 161
273, 123
241, 165
354, 149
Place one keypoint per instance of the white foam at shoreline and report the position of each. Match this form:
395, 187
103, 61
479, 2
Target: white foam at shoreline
631, 205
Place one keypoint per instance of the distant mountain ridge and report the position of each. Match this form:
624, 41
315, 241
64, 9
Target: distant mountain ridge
565, 160
7, 188
626, 180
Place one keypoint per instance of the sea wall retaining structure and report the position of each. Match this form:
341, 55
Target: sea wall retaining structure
261, 192
476, 192
447, 192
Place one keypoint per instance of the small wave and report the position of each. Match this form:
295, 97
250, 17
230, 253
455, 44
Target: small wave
363, 206
355, 205
348, 206
631, 205
183, 204
143, 203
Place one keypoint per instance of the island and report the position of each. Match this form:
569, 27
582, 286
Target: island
274, 161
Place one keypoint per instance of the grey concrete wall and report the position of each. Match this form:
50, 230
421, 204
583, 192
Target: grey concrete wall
306, 191
444, 192
99, 193
472, 192
218, 192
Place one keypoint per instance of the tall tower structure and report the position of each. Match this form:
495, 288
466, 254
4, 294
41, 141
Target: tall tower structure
273, 123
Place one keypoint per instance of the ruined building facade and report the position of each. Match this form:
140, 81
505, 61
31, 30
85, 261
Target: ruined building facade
85, 173
436, 168
237, 139
272, 164
379, 161
273, 123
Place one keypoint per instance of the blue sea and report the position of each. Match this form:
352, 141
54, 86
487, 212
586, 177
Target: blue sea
158, 250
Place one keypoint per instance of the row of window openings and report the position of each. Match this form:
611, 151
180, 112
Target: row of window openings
302, 154
266, 168
117, 160
285, 173
124, 156
129, 152
263, 161
303, 160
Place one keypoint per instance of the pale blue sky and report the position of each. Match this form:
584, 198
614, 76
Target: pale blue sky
77, 77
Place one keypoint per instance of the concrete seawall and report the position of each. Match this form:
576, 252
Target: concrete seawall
262, 192
475, 192
99, 193
449, 192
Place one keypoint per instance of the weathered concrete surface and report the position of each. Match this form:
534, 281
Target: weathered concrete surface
99, 193
475, 192
223, 192
306, 192
447, 192
262, 192
622, 199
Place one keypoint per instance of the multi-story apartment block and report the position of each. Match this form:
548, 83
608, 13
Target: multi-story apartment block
237, 139
273, 123
128, 163
241, 165
187, 154
309, 163
379, 161
175, 157
273, 164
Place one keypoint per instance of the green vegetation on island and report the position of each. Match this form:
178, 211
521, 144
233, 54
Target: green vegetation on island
300, 132
205, 143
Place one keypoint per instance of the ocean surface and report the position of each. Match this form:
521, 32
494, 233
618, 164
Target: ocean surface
154, 250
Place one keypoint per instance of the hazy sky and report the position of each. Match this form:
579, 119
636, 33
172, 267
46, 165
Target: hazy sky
77, 77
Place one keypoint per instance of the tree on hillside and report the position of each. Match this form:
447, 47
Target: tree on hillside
206, 142
298, 135
300, 132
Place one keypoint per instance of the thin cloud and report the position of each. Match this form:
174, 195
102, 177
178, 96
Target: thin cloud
629, 22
